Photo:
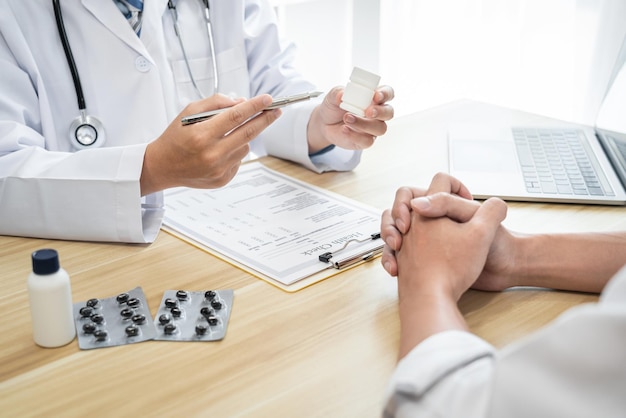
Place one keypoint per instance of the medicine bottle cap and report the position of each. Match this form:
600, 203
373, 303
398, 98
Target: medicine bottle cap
45, 261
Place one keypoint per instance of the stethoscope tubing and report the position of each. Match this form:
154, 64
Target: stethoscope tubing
87, 131
80, 97
171, 4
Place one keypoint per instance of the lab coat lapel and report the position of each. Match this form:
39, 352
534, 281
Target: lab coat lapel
110, 16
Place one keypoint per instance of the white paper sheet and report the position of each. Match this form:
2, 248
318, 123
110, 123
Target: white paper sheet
273, 224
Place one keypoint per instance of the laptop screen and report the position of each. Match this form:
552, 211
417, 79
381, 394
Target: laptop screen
614, 144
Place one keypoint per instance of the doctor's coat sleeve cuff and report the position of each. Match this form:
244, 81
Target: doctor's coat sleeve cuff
447, 375
287, 139
91, 195
150, 208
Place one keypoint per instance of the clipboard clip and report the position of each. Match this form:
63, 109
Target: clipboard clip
355, 258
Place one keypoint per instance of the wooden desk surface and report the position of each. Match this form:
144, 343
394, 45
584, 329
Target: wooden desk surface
327, 350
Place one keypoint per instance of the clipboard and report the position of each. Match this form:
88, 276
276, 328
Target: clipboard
288, 233
327, 272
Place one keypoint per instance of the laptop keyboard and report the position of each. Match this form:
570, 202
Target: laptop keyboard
559, 161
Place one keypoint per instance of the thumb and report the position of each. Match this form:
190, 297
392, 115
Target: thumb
445, 204
334, 96
489, 216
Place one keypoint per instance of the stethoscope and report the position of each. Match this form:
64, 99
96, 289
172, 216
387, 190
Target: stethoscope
207, 17
87, 131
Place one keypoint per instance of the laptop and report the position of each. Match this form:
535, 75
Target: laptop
567, 163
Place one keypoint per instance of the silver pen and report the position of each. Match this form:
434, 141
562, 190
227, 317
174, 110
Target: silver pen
276, 103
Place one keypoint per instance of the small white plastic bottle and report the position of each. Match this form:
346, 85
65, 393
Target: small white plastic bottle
359, 91
50, 297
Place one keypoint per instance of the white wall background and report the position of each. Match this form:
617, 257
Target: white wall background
322, 31
553, 57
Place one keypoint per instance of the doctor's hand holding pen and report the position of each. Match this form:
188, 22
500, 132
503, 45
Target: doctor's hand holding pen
205, 155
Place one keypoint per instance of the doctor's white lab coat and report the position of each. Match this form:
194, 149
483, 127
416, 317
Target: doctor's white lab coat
136, 87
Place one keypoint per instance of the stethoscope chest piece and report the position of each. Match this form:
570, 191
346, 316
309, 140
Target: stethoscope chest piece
86, 132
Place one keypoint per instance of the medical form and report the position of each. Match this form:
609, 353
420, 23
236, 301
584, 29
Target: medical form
274, 226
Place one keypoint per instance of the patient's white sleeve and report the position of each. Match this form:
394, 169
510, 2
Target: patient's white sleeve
573, 367
447, 375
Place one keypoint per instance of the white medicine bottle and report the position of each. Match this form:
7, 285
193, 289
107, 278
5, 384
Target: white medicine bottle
50, 298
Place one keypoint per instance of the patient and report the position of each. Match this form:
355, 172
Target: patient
440, 243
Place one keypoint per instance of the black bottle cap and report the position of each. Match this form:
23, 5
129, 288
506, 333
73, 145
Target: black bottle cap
45, 261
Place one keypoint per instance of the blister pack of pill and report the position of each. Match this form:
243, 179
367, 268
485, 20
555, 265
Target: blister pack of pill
193, 316
117, 320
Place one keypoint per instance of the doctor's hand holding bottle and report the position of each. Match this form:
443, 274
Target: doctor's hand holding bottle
208, 154
330, 125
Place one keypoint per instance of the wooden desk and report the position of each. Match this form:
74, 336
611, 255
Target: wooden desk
327, 350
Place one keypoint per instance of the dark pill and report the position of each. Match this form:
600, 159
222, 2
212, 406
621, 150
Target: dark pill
210, 294
133, 302
212, 319
132, 331
139, 319
100, 335
169, 329
89, 328
176, 312
97, 318
171, 303
122, 298
85, 311
127, 313
165, 319
216, 304
201, 329
92, 303
182, 295
205, 312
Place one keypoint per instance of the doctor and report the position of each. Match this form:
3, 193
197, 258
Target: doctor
135, 89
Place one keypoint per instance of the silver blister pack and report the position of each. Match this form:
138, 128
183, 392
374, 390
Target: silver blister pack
117, 320
193, 316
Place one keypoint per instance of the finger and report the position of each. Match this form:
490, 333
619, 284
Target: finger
388, 231
366, 127
445, 204
489, 216
236, 153
333, 97
379, 113
443, 182
401, 209
251, 128
388, 260
383, 94
217, 101
241, 113
228, 174
380, 110
494, 208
